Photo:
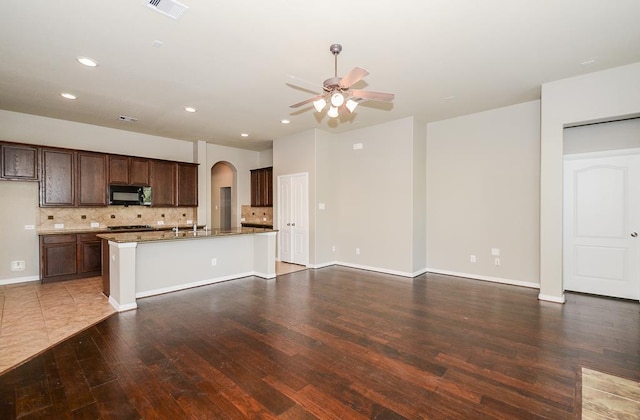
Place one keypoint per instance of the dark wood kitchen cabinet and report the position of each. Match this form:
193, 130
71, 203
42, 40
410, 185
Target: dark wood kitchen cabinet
187, 184
262, 187
163, 177
19, 162
126, 170
91, 179
57, 180
69, 256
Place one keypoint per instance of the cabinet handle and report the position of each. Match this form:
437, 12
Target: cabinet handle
293, 224
288, 224
634, 234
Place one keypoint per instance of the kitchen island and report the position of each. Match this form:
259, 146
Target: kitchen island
144, 264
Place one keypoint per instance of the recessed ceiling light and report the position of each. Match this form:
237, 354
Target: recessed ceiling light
68, 95
244, 135
189, 109
285, 121
89, 62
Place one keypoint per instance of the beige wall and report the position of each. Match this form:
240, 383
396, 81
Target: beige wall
18, 207
482, 193
25, 128
600, 96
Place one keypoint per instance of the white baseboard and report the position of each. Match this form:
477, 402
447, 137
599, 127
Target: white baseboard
377, 269
122, 308
322, 265
190, 285
19, 280
485, 278
554, 299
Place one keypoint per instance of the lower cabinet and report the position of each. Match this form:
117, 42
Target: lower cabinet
69, 256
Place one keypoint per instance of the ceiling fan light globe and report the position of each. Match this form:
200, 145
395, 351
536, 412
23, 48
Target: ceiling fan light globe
319, 104
351, 105
337, 99
333, 112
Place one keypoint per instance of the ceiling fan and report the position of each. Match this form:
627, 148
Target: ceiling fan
337, 93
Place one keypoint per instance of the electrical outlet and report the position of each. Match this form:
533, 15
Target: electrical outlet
17, 265
58, 226
333, 248
29, 227
495, 252
189, 221
472, 258
357, 251
497, 262
161, 222
214, 262
95, 224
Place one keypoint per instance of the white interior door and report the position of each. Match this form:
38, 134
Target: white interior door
293, 219
601, 225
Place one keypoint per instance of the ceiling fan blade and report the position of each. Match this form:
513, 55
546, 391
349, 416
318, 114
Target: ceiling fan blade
315, 98
354, 76
373, 96
305, 81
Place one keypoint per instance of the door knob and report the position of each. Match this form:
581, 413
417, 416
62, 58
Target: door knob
634, 234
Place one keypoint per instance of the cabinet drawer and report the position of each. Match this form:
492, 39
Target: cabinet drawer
87, 237
58, 239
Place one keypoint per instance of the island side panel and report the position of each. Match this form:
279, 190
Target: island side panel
264, 255
122, 275
168, 266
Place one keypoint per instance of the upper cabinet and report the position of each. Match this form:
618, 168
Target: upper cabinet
163, 183
73, 179
262, 187
91, 179
19, 162
78, 178
128, 170
187, 185
57, 182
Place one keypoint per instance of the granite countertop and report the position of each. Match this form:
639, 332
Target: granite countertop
158, 228
154, 236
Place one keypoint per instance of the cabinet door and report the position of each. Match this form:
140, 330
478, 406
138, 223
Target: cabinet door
187, 185
89, 254
255, 188
267, 187
118, 170
163, 183
58, 254
19, 162
139, 171
92, 179
58, 178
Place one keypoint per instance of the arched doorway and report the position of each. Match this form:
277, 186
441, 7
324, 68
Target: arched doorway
223, 196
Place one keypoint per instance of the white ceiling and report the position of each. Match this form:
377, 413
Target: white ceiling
231, 59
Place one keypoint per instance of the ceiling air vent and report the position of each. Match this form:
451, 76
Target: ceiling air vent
127, 119
170, 8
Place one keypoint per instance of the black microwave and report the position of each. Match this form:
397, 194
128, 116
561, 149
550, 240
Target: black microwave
129, 195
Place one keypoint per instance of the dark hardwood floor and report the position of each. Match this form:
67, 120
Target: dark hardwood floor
333, 343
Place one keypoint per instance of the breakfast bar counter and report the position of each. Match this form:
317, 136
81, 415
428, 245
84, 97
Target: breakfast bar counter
144, 264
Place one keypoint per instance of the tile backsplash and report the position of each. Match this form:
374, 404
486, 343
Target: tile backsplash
260, 215
81, 218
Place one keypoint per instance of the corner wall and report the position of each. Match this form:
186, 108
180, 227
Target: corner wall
483, 193
600, 96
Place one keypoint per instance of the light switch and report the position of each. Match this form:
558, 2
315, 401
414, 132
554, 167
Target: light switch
495, 252
321, 206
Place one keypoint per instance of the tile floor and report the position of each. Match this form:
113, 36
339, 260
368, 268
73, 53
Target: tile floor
609, 397
35, 316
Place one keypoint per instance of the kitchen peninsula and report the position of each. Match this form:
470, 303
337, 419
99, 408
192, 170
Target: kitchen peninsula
144, 264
